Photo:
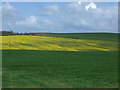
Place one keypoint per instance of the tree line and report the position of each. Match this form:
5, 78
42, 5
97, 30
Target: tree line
5, 33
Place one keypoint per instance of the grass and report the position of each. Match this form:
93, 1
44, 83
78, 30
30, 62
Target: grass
88, 36
59, 69
60, 61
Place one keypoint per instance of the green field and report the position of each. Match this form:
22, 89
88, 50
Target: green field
63, 69
88, 36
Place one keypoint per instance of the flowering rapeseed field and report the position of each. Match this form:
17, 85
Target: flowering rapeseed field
29, 42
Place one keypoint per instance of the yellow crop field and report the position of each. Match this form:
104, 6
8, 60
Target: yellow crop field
28, 42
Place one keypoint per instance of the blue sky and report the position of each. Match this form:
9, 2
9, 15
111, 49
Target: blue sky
60, 17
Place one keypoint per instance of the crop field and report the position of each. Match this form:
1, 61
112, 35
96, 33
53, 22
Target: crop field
26, 42
60, 61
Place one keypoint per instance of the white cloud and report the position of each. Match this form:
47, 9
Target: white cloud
8, 16
8, 10
79, 2
50, 10
34, 24
28, 21
91, 5
74, 7
31, 20
102, 19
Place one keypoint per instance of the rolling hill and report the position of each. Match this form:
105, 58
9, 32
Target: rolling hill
57, 43
60, 60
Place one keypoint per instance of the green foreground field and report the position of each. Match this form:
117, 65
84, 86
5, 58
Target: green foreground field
59, 69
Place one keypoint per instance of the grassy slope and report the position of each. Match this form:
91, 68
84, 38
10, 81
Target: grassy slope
75, 42
59, 69
62, 69
88, 36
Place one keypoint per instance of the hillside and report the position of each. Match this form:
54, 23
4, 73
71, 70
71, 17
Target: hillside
58, 42
61, 60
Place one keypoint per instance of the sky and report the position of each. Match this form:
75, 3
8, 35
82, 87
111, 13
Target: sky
60, 17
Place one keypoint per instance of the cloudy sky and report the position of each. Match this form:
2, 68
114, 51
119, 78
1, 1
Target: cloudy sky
60, 17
